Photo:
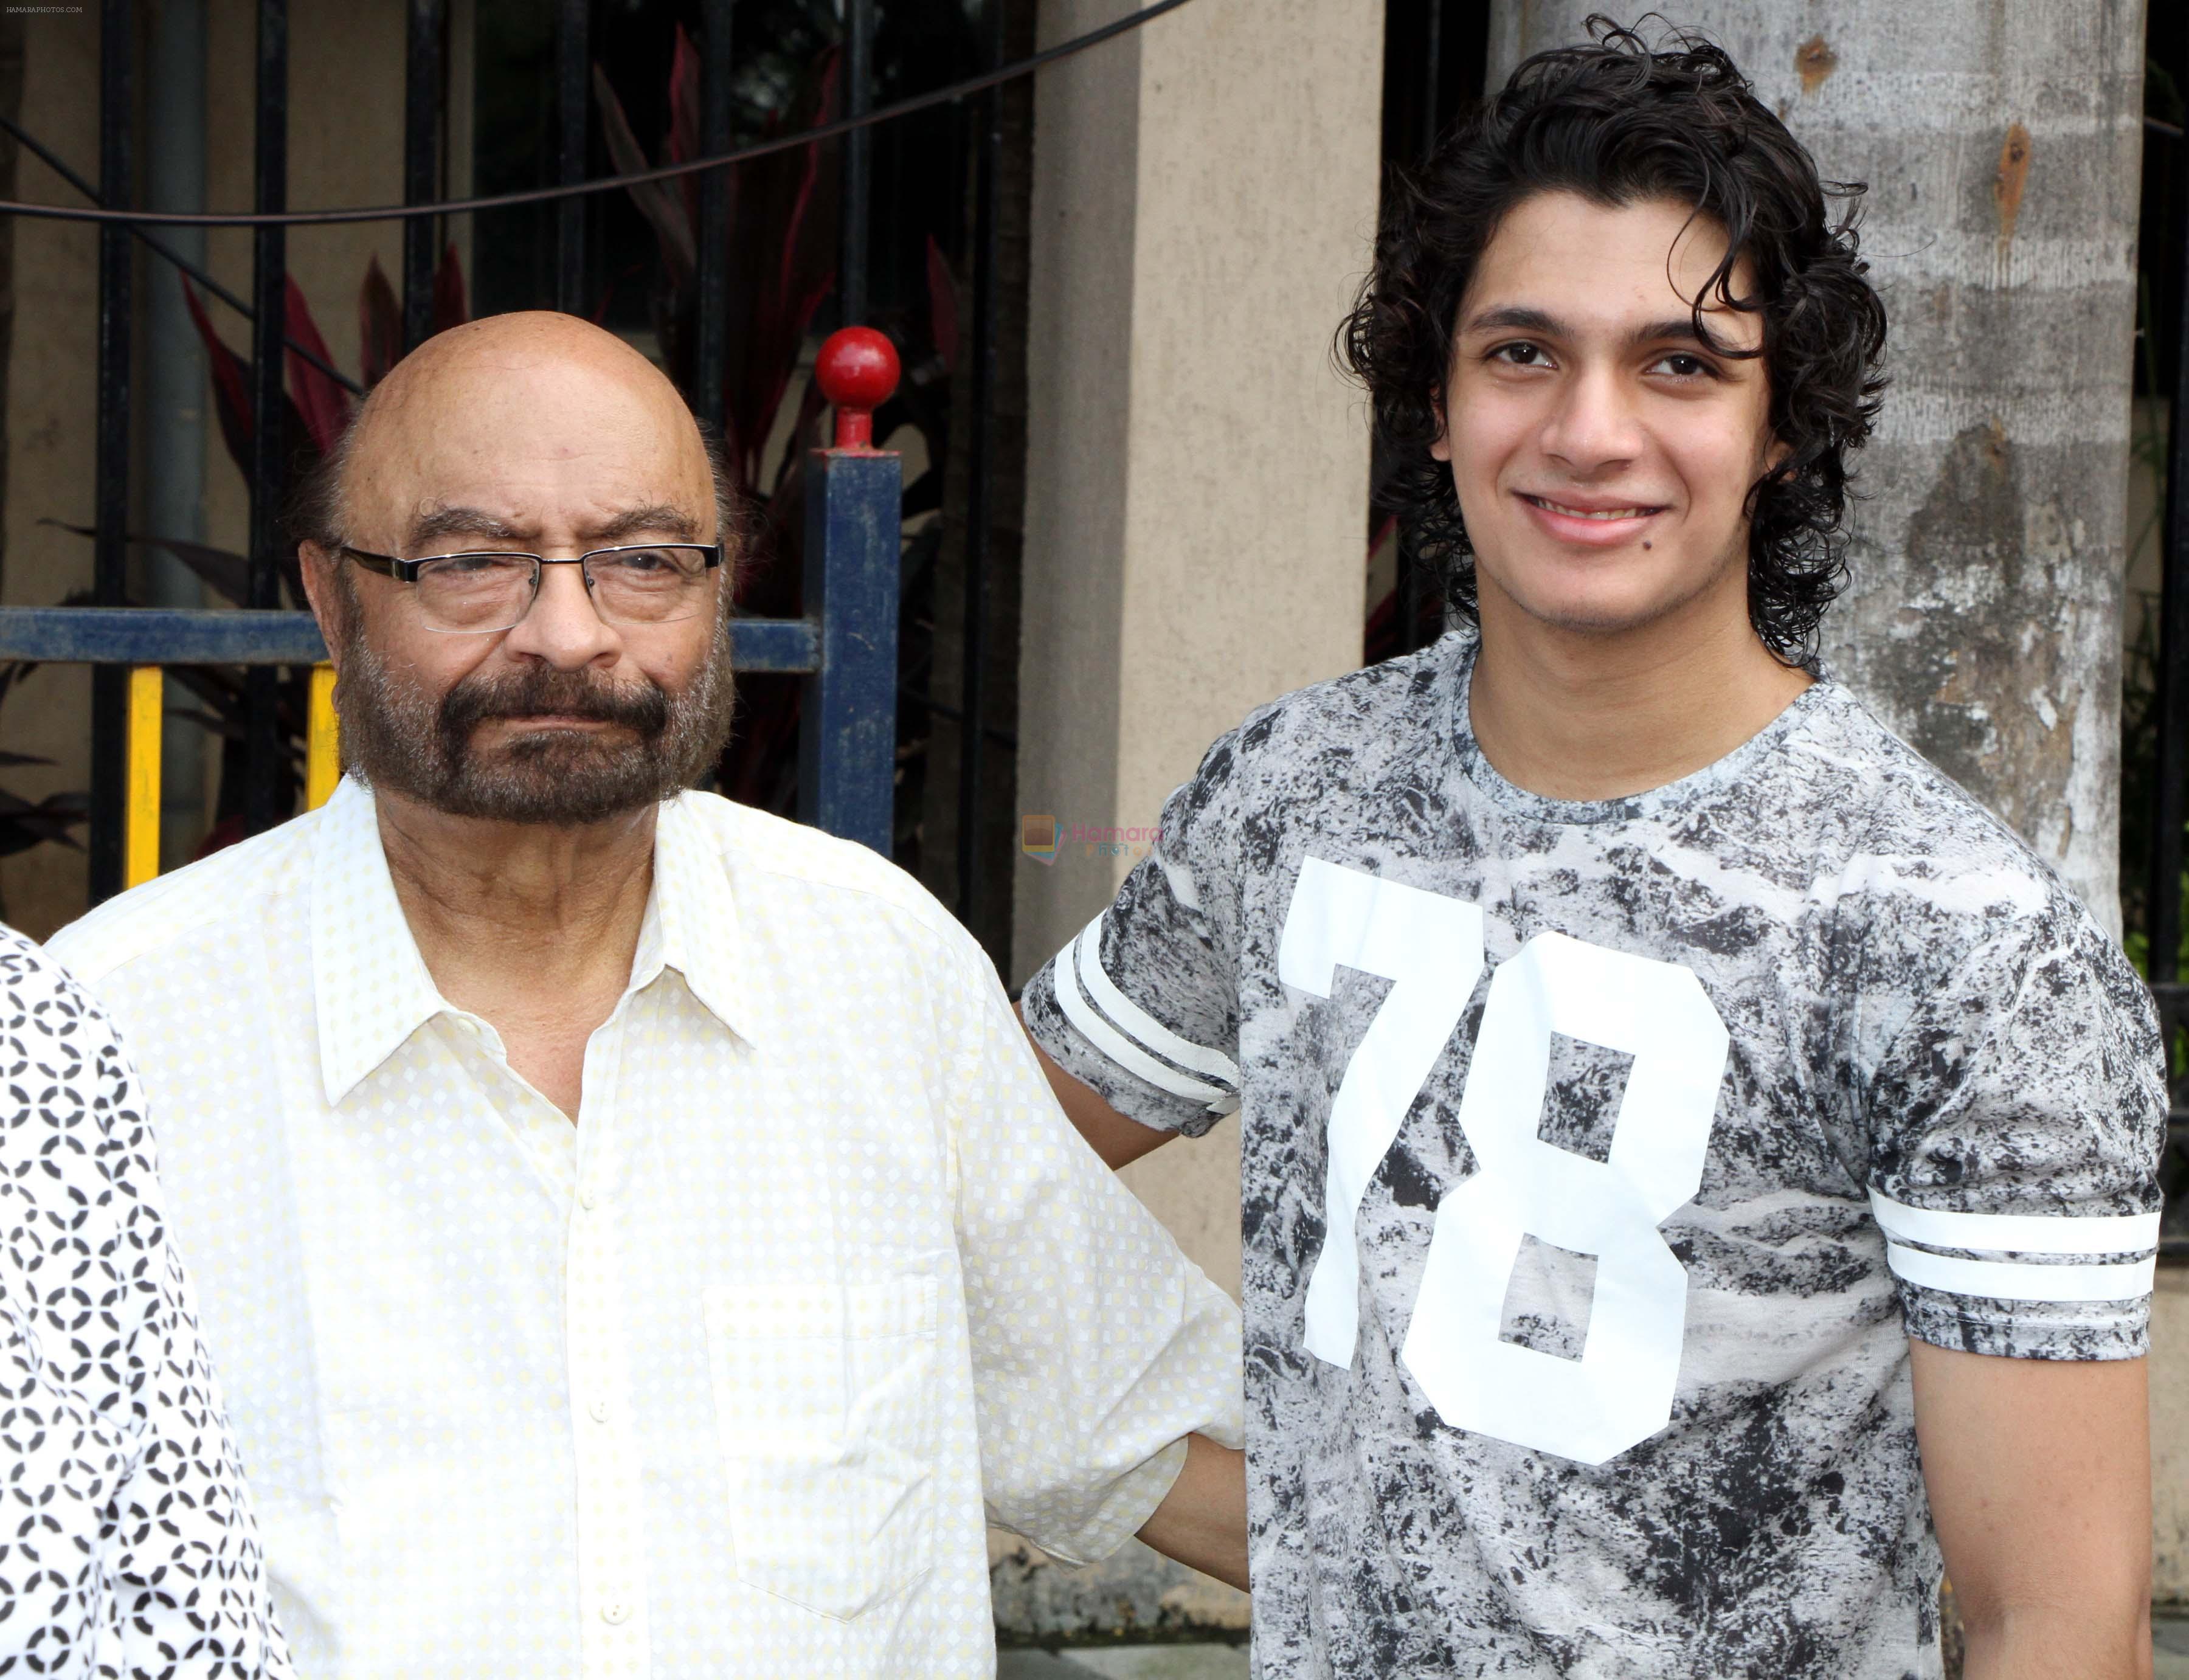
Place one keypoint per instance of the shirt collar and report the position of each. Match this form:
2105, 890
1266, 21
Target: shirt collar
372, 989
694, 911
369, 984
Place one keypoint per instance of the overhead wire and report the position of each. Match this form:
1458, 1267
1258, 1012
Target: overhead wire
161, 248
458, 206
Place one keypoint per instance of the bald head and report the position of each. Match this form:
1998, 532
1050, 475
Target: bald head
532, 434
513, 430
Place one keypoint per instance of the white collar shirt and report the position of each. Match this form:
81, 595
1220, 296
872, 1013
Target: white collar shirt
716, 1383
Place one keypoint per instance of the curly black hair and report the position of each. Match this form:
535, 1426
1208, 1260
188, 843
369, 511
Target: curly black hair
1618, 122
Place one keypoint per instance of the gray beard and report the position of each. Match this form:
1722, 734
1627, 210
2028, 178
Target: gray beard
399, 738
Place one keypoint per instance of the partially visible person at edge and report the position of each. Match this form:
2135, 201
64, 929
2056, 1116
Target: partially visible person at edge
127, 1548
638, 1235
1698, 1164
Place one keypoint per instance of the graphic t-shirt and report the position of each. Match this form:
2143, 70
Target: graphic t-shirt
1598, 1160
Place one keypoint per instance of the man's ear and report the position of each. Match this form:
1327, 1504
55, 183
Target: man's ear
1440, 448
324, 597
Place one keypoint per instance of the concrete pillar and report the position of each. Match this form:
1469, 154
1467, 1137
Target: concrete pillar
2002, 146
1204, 205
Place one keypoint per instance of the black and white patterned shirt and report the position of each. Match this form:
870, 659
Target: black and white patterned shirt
126, 1543
1648, 1130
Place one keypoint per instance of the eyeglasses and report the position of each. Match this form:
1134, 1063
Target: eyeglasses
641, 584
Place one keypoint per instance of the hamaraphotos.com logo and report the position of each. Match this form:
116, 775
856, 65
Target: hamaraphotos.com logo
1042, 837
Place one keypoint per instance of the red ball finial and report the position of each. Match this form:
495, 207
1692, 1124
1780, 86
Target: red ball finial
858, 368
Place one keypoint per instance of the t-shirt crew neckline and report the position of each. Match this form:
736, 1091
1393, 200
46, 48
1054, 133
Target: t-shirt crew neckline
1824, 691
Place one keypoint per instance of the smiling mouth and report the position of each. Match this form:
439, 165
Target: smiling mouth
1604, 513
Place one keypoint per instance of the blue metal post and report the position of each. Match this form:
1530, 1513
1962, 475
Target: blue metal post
847, 735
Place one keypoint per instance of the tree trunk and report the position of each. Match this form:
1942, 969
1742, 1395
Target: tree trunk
2001, 144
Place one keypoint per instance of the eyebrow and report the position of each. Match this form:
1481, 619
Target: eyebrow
659, 517
1515, 318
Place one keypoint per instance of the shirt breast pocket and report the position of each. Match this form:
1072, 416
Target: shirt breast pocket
825, 1404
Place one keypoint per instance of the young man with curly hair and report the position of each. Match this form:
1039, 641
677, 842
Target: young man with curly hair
1698, 1165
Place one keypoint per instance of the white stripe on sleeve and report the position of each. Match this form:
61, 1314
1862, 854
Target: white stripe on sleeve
2019, 1233
1152, 1034
1122, 1051
2017, 1281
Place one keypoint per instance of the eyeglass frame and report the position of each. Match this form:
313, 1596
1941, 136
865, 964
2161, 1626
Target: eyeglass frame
406, 571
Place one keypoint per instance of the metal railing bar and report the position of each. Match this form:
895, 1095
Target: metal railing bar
322, 740
858, 160
711, 279
140, 842
919, 697
572, 20
973, 683
264, 760
117, 41
141, 822
788, 646
422, 136
805, 137
136, 635
174, 258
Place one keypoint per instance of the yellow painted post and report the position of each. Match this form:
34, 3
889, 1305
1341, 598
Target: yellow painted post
323, 741
140, 832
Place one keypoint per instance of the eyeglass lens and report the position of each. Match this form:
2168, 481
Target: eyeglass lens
629, 586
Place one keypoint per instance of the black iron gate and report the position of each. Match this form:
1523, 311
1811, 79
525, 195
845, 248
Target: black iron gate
276, 683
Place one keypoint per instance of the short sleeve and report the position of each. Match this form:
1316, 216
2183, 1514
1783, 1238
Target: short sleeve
122, 1452
2016, 1120
1097, 1346
1144, 1005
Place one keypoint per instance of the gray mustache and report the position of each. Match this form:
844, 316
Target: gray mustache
571, 693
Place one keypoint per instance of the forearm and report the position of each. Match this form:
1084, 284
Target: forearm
1118, 1140
1201, 1522
2045, 1642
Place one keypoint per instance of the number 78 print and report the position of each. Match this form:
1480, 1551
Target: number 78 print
1430, 947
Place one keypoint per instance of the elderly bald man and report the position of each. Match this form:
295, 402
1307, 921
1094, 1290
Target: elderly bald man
635, 1234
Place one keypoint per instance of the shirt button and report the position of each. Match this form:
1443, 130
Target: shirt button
615, 1614
588, 1201
598, 1411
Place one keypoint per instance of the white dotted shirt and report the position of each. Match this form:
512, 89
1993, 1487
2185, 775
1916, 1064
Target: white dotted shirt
127, 1545
714, 1384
